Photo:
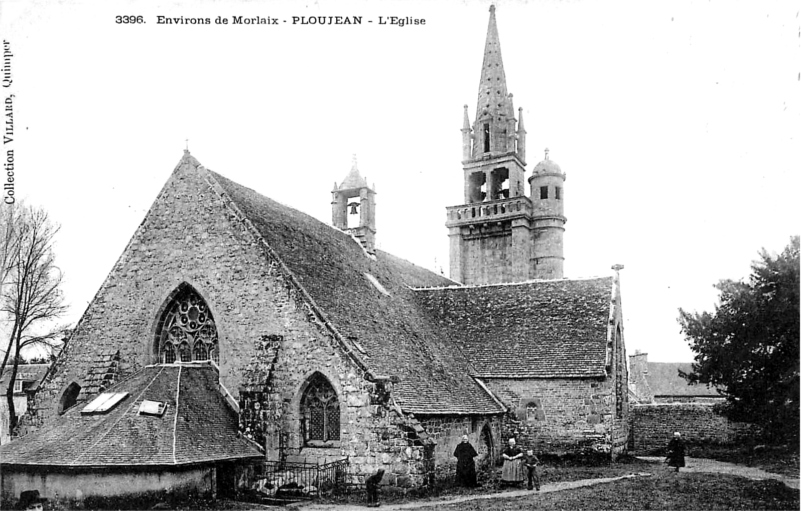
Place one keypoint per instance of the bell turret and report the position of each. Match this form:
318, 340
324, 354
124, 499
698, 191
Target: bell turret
353, 208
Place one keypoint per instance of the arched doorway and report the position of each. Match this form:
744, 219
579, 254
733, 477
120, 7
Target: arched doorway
486, 453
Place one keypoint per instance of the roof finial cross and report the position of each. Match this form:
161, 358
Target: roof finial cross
546, 153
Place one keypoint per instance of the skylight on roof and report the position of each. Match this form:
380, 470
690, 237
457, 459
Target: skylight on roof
104, 402
374, 281
155, 408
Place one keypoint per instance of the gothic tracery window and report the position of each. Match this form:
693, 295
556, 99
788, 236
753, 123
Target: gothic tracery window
320, 411
188, 331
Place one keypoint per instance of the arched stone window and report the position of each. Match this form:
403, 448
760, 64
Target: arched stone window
187, 331
319, 409
69, 397
531, 411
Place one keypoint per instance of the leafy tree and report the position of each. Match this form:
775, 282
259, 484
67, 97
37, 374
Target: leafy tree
749, 344
30, 296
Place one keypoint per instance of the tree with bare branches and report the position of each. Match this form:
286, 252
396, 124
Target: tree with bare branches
30, 296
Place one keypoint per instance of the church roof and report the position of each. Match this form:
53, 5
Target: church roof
197, 426
664, 380
385, 328
537, 329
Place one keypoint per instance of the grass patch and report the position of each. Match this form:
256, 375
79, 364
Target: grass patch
779, 459
665, 490
556, 469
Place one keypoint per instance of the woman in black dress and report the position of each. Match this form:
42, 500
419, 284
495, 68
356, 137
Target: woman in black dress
675, 452
465, 467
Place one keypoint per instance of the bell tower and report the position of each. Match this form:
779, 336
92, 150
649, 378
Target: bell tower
353, 208
490, 234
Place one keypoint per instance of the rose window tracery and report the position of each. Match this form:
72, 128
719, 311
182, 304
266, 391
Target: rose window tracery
188, 331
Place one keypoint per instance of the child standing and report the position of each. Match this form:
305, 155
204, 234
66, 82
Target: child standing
531, 463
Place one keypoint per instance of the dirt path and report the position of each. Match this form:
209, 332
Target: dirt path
722, 467
546, 488
693, 465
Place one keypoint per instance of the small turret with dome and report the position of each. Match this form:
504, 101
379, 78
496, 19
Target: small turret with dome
547, 183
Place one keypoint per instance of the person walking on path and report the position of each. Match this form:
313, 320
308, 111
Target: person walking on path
675, 452
465, 466
512, 464
531, 462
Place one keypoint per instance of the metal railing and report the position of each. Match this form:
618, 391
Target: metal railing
294, 481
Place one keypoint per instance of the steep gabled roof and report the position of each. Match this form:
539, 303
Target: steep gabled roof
388, 332
664, 380
538, 329
198, 426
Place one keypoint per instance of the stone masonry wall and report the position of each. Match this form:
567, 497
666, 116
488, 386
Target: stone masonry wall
191, 235
188, 236
487, 255
483, 434
653, 425
557, 415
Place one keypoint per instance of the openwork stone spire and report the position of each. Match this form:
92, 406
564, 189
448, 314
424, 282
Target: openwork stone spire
493, 99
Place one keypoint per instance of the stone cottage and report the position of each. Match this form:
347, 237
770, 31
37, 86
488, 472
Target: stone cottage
25, 385
332, 349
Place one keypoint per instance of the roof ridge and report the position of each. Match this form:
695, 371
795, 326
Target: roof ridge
502, 284
175, 422
229, 203
66, 348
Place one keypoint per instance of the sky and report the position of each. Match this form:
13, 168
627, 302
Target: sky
676, 122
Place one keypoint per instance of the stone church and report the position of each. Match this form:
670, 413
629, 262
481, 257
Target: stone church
233, 328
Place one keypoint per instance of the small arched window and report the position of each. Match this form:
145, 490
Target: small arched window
68, 398
319, 408
187, 330
533, 411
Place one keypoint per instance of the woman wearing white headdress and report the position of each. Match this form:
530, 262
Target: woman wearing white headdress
675, 452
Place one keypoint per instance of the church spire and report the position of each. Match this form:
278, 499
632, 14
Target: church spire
495, 119
354, 178
492, 93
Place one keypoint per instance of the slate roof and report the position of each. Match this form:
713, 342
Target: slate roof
664, 380
537, 329
392, 334
30, 374
198, 426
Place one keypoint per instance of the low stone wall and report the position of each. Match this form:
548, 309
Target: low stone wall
652, 426
70, 488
